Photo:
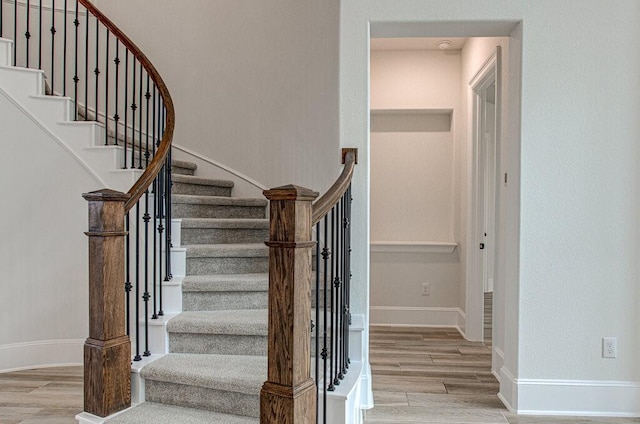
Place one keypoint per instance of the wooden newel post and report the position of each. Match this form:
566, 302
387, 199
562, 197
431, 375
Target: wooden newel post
289, 394
107, 351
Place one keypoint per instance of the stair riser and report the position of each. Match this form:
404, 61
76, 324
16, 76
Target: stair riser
220, 344
187, 210
206, 266
200, 190
199, 397
215, 301
223, 235
183, 171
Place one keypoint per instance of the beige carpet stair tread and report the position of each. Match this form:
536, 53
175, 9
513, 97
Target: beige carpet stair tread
158, 413
226, 283
205, 223
217, 200
233, 322
184, 164
245, 250
234, 373
190, 179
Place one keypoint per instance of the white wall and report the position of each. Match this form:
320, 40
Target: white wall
578, 240
43, 257
255, 83
412, 187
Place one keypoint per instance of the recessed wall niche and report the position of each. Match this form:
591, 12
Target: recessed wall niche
411, 120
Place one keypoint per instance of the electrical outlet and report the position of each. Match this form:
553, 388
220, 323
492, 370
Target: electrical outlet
426, 289
609, 347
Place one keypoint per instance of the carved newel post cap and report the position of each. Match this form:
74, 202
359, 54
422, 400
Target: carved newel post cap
290, 192
106, 195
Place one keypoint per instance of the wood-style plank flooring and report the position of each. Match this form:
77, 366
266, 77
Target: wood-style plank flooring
48, 395
419, 376
433, 375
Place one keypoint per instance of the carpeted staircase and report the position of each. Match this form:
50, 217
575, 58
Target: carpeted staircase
217, 361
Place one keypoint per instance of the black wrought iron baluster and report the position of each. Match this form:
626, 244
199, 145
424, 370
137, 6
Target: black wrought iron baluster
337, 375
96, 72
153, 119
156, 252
326, 253
134, 107
349, 201
146, 218
126, 104
146, 151
140, 122
168, 188
138, 357
53, 45
76, 79
86, 66
161, 238
27, 34
15, 32
64, 49
106, 90
40, 34
331, 386
317, 335
343, 307
116, 116
127, 285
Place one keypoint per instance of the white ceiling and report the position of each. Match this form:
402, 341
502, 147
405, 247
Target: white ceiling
415, 43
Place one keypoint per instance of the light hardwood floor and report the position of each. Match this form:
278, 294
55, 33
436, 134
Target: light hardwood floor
419, 376
48, 395
433, 375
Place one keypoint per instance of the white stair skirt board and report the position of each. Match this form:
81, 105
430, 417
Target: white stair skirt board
137, 382
176, 232
497, 362
6, 49
41, 354
357, 352
22, 83
569, 397
416, 316
172, 295
178, 262
158, 336
83, 140
343, 404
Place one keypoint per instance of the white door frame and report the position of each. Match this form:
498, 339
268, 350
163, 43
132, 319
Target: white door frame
475, 263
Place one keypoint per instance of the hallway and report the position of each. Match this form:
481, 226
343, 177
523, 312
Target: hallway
433, 375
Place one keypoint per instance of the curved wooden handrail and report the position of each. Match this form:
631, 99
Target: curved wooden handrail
323, 205
154, 167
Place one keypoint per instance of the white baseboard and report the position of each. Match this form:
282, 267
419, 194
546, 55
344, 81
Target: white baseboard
41, 354
570, 397
416, 316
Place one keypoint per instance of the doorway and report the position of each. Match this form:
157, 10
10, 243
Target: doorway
486, 89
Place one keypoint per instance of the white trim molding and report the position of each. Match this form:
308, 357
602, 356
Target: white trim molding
413, 247
571, 397
41, 354
416, 316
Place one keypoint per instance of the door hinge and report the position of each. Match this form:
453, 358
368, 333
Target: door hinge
481, 246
